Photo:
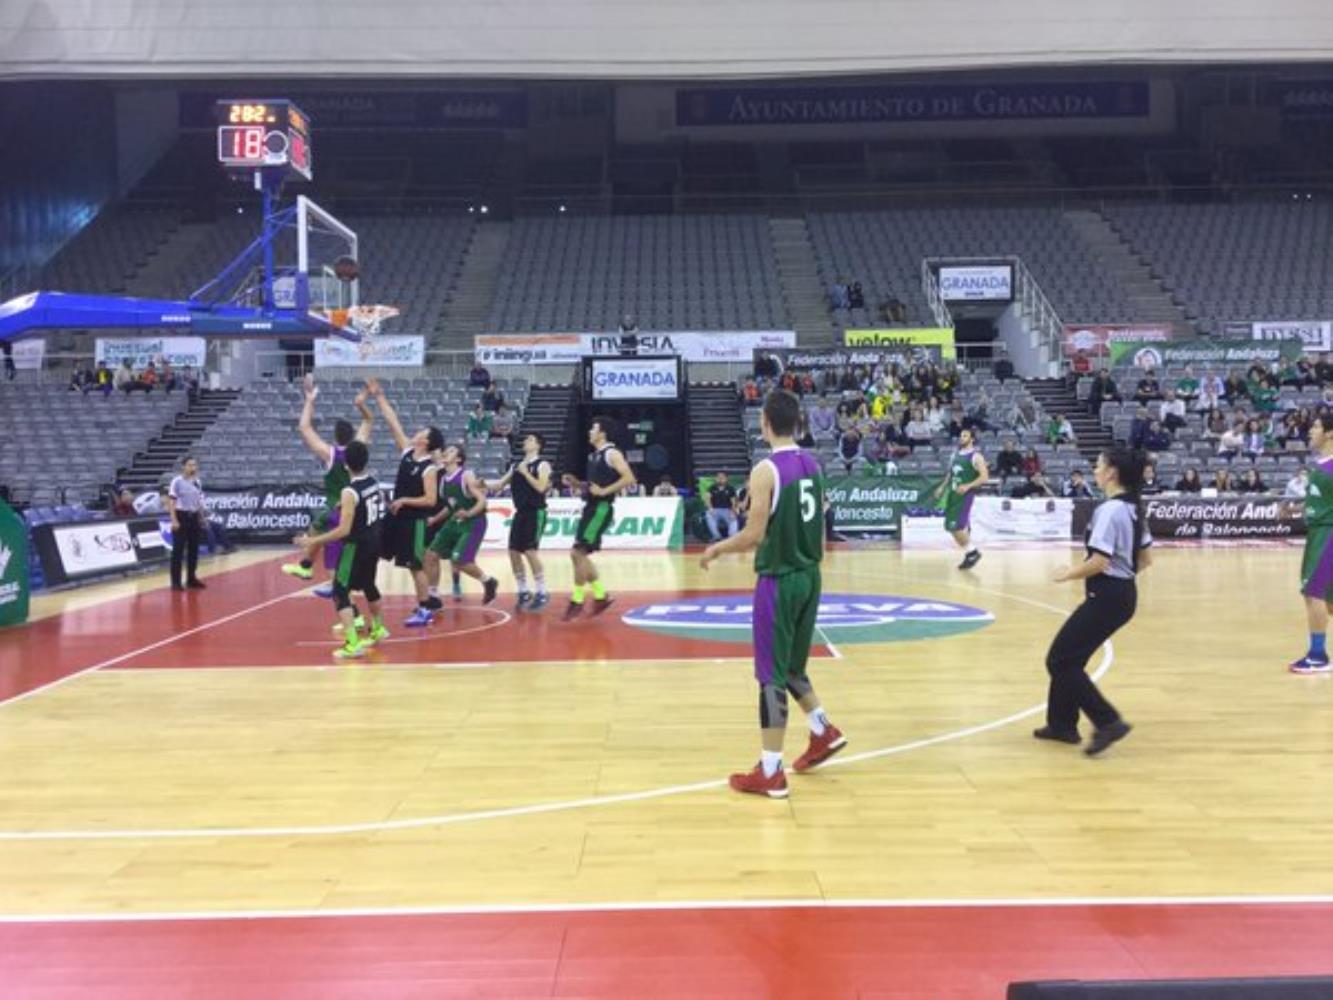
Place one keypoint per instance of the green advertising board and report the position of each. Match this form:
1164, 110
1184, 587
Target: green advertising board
877, 503
1200, 351
13, 567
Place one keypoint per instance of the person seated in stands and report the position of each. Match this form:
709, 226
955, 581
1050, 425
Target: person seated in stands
479, 377
849, 448
1222, 481
767, 366
823, 421
1148, 388
665, 487
81, 379
1264, 392
953, 427
124, 379
1173, 411
1002, 368
502, 424
1059, 430
788, 382
104, 378
945, 382
1251, 482
838, 296
804, 439
750, 393
1138, 427
935, 417
1298, 485
1235, 389
1252, 441
1231, 441
807, 384
917, 429
1008, 461
1216, 426
189, 379
167, 377
1300, 374
1156, 437
1150, 485
1103, 388
1187, 386
856, 296
892, 439
124, 503
881, 404
1323, 370
1031, 463
1295, 428
479, 423
149, 377
492, 398
1209, 398
1034, 486
1189, 481
1076, 487
1018, 420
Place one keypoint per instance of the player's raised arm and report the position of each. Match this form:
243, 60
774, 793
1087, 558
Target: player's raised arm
762, 485
306, 425
367, 416
400, 439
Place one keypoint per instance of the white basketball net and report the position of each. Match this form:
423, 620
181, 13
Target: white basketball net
367, 321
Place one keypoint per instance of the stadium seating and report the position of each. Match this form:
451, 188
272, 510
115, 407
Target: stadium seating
109, 251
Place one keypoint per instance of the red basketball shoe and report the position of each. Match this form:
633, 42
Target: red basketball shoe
755, 783
821, 748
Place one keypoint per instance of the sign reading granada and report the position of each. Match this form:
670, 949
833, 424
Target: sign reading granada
843, 618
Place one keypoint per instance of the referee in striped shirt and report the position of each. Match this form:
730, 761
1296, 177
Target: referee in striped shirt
185, 503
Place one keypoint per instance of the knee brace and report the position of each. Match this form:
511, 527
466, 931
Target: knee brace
772, 707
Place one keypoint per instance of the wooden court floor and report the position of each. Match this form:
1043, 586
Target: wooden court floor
217, 762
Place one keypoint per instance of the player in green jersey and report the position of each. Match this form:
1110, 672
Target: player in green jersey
786, 525
336, 477
1317, 566
967, 474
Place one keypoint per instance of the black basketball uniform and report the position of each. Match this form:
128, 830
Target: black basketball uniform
529, 523
361, 548
408, 526
598, 512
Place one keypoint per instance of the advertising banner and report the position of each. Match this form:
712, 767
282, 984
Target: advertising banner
28, 354
637, 523
1095, 341
977, 283
904, 342
1316, 335
1235, 517
94, 548
876, 503
376, 352
263, 513
1006, 519
634, 378
853, 357
570, 348
14, 582
1204, 352
179, 352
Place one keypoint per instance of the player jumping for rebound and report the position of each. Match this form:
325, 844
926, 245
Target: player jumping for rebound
786, 524
360, 510
967, 474
332, 457
1317, 566
530, 480
608, 475
460, 536
414, 497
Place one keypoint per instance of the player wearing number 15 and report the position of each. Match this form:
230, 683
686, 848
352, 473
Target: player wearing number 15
786, 525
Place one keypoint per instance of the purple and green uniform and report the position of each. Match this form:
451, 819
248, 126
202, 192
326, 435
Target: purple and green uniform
336, 479
958, 508
1317, 566
458, 541
786, 595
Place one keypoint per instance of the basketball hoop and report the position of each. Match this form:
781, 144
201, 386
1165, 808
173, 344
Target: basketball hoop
365, 320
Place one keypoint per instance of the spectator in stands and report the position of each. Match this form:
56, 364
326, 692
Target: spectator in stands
124, 379
823, 421
1138, 427
978, 417
849, 448
1008, 461
1252, 443
1323, 370
838, 297
1148, 388
81, 379
856, 296
149, 377
1231, 441
807, 384
1103, 388
917, 429
190, 380
881, 406
893, 442
124, 503
954, 426
1156, 437
1235, 389
1034, 486
1216, 425
1173, 411
105, 378
893, 309
1187, 386
478, 377
502, 424
750, 393
1222, 481
479, 423
1301, 374
1189, 482
1059, 430
1076, 487
946, 381
721, 508
1264, 392
492, 398
1251, 482
1209, 397
935, 416
1150, 484
789, 382
665, 487
1031, 463
1002, 368
804, 439
1018, 421
1295, 428
1298, 485
168, 377
767, 366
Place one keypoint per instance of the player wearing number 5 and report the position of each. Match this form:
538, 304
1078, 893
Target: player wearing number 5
786, 525
967, 474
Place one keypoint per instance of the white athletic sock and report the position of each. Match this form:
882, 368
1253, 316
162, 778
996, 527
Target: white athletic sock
818, 721
433, 591
771, 761
971, 547
522, 579
540, 580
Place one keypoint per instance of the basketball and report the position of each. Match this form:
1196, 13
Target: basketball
346, 268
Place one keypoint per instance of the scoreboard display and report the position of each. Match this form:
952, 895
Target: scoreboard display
258, 135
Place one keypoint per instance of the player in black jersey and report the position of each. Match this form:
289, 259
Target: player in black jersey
414, 497
530, 481
608, 475
361, 510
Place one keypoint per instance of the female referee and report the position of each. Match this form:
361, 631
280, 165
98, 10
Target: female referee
1117, 550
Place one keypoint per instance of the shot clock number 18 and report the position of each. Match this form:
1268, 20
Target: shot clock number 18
255, 135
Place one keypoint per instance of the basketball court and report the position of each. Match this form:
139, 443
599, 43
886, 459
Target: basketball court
508, 805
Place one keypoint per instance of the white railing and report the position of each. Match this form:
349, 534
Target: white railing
930, 284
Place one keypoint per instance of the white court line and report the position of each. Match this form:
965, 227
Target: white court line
656, 905
424, 636
145, 649
536, 809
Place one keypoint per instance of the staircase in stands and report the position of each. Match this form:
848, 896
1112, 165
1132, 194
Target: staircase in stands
802, 289
1055, 395
717, 431
469, 306
176, 441
548, 412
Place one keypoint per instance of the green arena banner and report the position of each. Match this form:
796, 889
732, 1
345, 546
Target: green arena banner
877, 503
14, 582
904, 340
1200, 351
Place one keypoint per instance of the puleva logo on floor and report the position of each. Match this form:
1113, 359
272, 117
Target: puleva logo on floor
843, 618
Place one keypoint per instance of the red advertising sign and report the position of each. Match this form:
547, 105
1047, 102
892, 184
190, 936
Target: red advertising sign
1092, 340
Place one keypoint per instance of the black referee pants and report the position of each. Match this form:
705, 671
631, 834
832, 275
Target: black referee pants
1109, 604
185, 545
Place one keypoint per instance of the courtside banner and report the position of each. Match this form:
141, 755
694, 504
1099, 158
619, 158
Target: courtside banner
979, 283
570, 348
15, 583
1234, 517
1032, 518
1198, 351
637, 523
373, 352
904, 341
1095, 341
852, 357
876, 503
96, 548
29, 354
263, 513
179, 352
1316, 335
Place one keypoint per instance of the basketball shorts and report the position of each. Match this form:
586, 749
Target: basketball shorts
526, 530
460, 541
1317, 564
958, 512
409, 541
357, 565
325, 520
785, 611
593, 525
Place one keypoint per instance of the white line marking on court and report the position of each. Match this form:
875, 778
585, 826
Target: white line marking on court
655, 905
146, 649
537, 809
425, 636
